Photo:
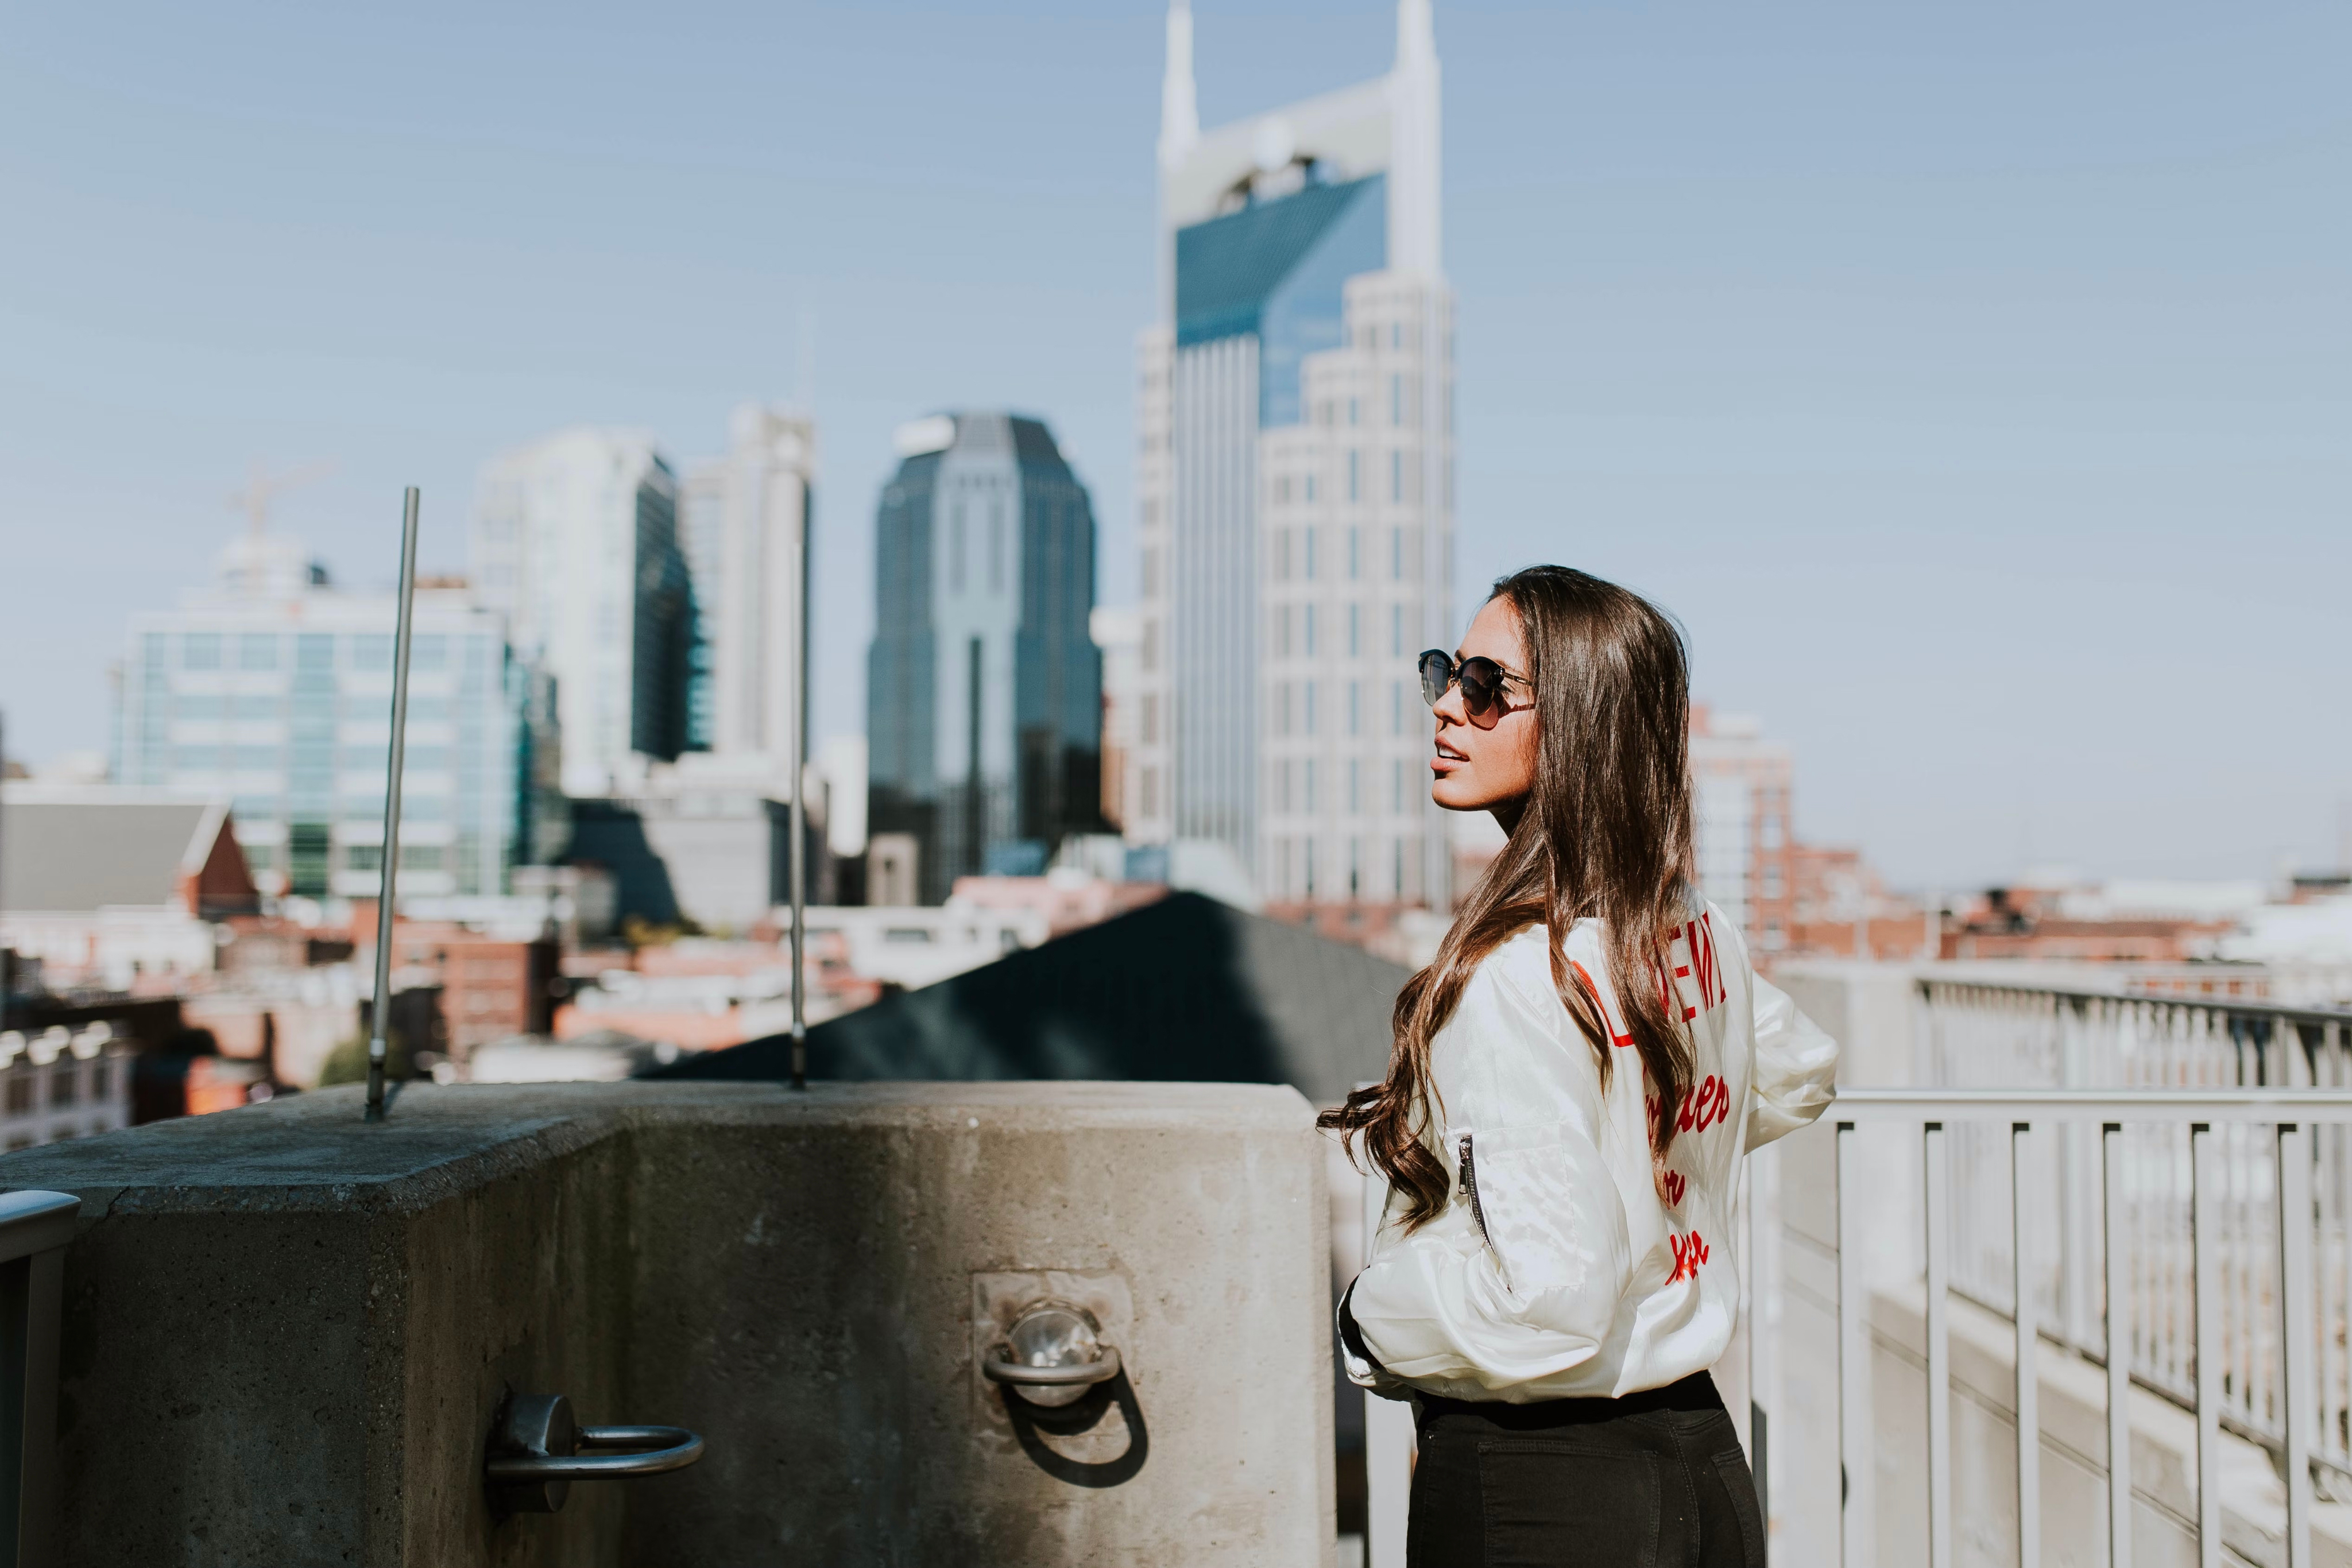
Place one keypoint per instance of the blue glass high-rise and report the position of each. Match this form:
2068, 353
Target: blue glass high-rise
983, 688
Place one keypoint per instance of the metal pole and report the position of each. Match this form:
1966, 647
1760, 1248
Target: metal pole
1389, 1438
2023, 1198
2205, 1203
378, 1022
799, 848
1939, 1343
2115, 1240
2298, 1339
1857, 1456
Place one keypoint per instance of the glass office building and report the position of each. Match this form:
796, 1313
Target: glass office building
273, 690
983, 685
576, 541
1294, 487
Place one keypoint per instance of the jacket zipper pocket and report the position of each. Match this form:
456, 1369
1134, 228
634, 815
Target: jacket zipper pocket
1469, 1164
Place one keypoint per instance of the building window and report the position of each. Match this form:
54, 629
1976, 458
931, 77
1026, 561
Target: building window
1310, 487
1396, 399
1151, 718
1282, 633
1396, 476
1355, 786
1309, 543
1355, 554
1282, 492
200, 651
1396, 630
1355, 476
1355, 642
996, 547
1150, 573
1151, 794
1282, 778
1396, 708
257, 651
1397, 788
1354, 412
1282, 708
1309, 804
1355, 724
955, 548
1310, 630
371, 652
1310, 729
1396, 555
1771, 881
1150, 651
1396, 334
1396, 880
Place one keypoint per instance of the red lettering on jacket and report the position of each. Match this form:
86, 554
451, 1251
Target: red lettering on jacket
1674, 1184
1708, 1102
1618, 1034
1690, 1251
1704, 969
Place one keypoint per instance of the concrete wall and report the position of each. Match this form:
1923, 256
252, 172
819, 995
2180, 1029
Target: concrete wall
287, 1330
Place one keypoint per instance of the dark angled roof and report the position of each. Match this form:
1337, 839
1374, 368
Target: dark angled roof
1184, 990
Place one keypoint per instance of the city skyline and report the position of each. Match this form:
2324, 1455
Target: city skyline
1972, 390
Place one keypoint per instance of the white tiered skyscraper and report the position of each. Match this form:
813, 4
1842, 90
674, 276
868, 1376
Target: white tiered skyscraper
1295, 486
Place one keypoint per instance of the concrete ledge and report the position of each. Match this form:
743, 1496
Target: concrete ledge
287, 1330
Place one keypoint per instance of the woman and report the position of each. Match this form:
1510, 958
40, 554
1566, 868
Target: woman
1575, 1078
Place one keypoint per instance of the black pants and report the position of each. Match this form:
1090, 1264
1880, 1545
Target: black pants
1656, 1480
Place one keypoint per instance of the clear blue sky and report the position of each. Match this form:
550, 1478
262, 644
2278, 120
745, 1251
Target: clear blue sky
1975, 383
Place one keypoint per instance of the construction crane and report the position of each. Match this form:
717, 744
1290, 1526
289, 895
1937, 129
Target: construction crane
262, 488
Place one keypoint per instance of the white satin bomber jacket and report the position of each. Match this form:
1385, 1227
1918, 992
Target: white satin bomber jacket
1567, 1264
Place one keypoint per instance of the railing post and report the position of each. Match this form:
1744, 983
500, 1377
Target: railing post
1856, 1457
2075, 1197
2118, 1295
1939, 1349
2205, 1226
2295, 1333
35, 1228
2029, 1373
1388, 1432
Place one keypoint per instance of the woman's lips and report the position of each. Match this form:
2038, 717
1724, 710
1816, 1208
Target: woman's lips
1446, 760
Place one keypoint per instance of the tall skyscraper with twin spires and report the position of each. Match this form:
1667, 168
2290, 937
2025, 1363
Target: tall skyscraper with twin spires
1295, 485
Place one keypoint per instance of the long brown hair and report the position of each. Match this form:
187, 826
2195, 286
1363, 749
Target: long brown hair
1606, 835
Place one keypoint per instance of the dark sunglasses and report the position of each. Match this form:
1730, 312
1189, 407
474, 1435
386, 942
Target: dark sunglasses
1482, 681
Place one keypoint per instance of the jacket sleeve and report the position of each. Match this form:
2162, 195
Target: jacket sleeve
1796, 1066
1523, 1285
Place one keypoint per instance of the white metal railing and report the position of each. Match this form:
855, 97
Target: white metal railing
2173, 1200
2135, 1188
1982, 1035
